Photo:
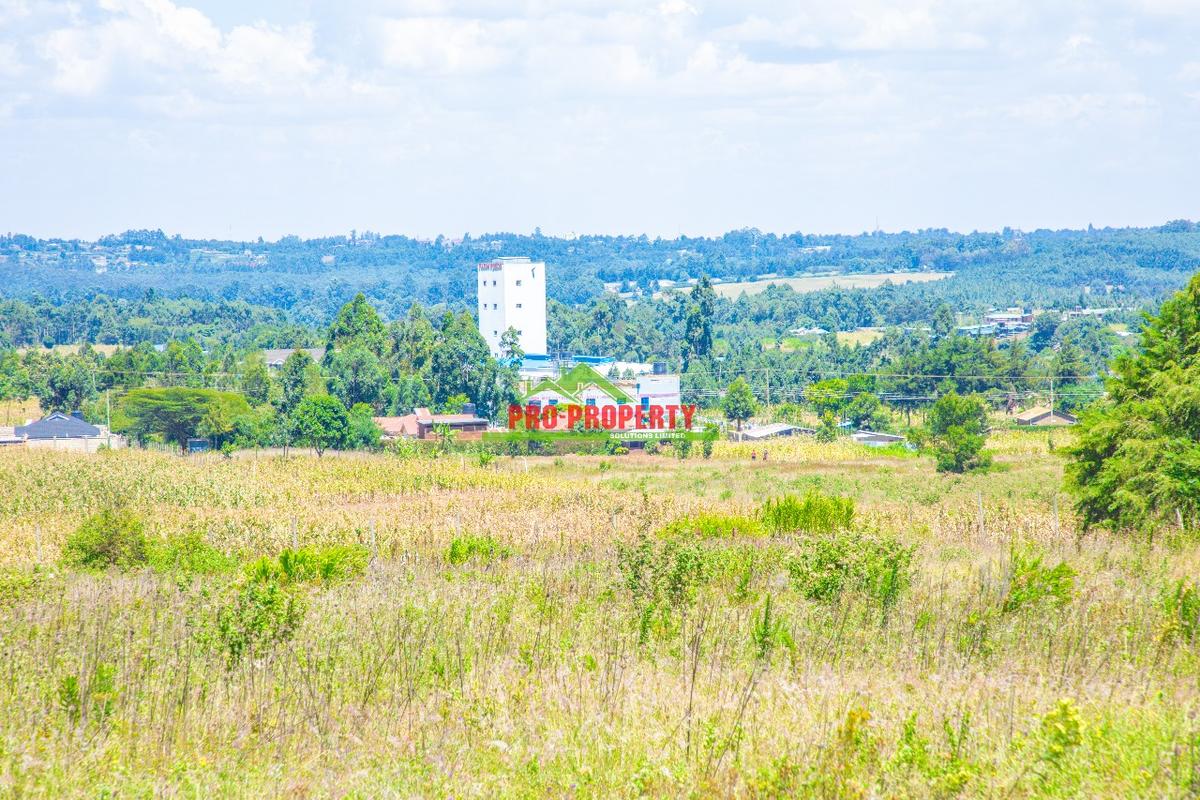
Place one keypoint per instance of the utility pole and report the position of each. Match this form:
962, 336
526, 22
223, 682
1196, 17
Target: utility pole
768, 387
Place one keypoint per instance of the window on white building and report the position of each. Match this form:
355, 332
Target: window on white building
518, 305
518, 283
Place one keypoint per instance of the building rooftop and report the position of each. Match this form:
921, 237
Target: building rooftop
57, 426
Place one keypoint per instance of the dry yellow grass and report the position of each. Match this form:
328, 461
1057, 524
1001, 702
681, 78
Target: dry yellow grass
538, 674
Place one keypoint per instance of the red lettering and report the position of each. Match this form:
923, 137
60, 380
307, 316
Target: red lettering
608, 417
531, 417
688, 411
514, 416
574, 413
591, 417
671, 416
550, 417
656, 417
624, 415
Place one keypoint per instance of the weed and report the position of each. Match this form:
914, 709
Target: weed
262, 614
815, 513
189, 554
113, 537
331, 564
713, 526
476, 547
1033, 583
876, 565
1181, 606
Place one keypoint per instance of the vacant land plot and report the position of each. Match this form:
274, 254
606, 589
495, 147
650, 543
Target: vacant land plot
816, 283
587, 627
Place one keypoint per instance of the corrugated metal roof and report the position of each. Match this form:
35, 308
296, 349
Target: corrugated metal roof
57, 426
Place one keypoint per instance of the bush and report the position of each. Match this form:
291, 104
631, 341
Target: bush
1033, 584
662, 572
1182, 609
327, 565
816, 513
485, 548
190, 555
829, 564
957, 432
262, 614
107, 539
713, 526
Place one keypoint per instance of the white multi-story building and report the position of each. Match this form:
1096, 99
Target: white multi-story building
512, 293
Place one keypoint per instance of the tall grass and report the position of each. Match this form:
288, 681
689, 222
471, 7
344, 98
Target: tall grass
377, 627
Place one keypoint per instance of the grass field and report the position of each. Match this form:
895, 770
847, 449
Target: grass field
816, 283
591, 627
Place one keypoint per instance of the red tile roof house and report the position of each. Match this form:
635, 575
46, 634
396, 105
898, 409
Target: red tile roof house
421, 424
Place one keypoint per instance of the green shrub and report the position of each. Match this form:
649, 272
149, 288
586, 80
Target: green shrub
109, 538
330, 564
713, 526
816, 513
191, 555
1182, 609
667, 572
16, 586
262, 614
1033, 583
879, 566
468, 547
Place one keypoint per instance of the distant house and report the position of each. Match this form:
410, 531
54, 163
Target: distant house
421, 424
275, 358
59, 431
579, 386
876, 439
774, 430
1043, 416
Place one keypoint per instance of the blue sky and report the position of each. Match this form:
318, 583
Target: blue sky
682, 116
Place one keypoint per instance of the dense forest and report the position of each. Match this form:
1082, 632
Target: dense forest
116, 289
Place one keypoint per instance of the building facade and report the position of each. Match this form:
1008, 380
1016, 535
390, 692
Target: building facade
512, 293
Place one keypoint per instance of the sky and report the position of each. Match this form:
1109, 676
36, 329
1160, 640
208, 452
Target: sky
426, 117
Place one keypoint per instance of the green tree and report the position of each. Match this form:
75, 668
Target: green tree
362, 433
357, 323
510, 345
321, 422
739, 403
69, 385
356, 376
866, 412
957, 432
829, 395
255, 379
1136, 458
943, 321
180, 413
298, 378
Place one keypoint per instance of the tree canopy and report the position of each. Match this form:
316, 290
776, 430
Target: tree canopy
1136, 458
181, 413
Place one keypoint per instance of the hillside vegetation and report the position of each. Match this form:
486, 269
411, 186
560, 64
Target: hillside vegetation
587, 626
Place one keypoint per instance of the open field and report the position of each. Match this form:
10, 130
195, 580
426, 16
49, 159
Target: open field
869, 280
528, 628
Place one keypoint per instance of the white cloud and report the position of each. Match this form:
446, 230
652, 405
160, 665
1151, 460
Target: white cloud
446, 44
706, 97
